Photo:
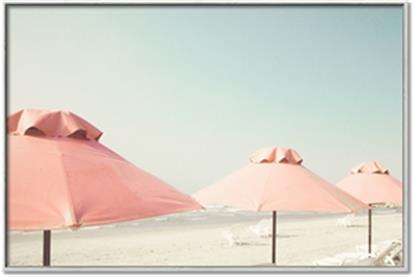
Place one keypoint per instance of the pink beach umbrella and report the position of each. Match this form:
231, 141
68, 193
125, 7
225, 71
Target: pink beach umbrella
275, 180
371, 183
60, 176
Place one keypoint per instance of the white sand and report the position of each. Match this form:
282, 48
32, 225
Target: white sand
198, 240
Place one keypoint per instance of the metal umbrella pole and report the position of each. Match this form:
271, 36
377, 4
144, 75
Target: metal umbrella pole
274, 237
370, 229
46, 247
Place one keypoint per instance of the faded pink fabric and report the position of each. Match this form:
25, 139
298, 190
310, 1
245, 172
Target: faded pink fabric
371, 183
57, 181
276, 154
275, 180
50, 124
370, 167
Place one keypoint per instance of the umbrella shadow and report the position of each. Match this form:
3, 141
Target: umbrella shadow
251, 243
257, 243
286, 236
281, 236
357, 226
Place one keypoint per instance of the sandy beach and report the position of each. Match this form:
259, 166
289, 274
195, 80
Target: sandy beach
196, 239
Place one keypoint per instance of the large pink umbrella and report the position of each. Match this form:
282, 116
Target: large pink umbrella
275, 180
60, 176
371, 183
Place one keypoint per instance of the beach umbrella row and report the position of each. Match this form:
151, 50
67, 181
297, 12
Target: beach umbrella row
275, 180
371, 183
61, 176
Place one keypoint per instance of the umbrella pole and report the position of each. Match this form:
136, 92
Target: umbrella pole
46, 247
274, 237
370, 229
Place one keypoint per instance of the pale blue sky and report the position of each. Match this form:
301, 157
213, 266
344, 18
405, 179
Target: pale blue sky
187, 93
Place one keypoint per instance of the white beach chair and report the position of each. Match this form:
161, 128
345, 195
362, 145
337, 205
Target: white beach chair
231, 238
346, 221
262, 229
391, 255
384, 253
394, 257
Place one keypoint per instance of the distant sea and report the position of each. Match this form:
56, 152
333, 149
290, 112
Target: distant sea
217, 214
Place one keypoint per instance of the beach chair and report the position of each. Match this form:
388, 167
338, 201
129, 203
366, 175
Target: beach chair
394, 258
231, 238
346, 221
262, 229
391, 255
384, 253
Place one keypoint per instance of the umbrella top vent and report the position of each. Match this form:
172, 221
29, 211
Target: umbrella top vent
51, 124
276, 155
370, 167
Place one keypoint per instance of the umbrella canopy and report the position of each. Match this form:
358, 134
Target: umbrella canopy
61, 176
275, 180
371, 183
